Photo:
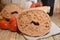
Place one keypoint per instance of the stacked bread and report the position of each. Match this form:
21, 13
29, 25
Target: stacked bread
32, 22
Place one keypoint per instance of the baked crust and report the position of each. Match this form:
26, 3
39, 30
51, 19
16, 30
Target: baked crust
34, 22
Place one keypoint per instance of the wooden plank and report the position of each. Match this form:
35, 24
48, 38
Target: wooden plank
19, 37
0, 35
8, 35
57, 37
4, 35
50, 38
13, 36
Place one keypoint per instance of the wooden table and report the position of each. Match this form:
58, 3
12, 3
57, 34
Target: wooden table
8, 35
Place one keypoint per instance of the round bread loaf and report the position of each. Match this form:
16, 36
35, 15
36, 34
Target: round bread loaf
34, 22
11, 10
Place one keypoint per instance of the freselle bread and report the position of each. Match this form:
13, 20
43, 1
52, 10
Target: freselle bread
11, 10
34, 22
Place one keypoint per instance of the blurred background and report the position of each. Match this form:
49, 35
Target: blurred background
4, 2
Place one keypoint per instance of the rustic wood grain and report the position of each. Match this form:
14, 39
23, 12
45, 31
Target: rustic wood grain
49, 38
8, 35
19, 37
57, 37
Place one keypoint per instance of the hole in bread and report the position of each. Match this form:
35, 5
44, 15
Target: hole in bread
15, 12
35, 23
27, 12
20, 25
46, 26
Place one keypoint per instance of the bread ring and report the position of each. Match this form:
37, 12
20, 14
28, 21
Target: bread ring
34, 22
11, 10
